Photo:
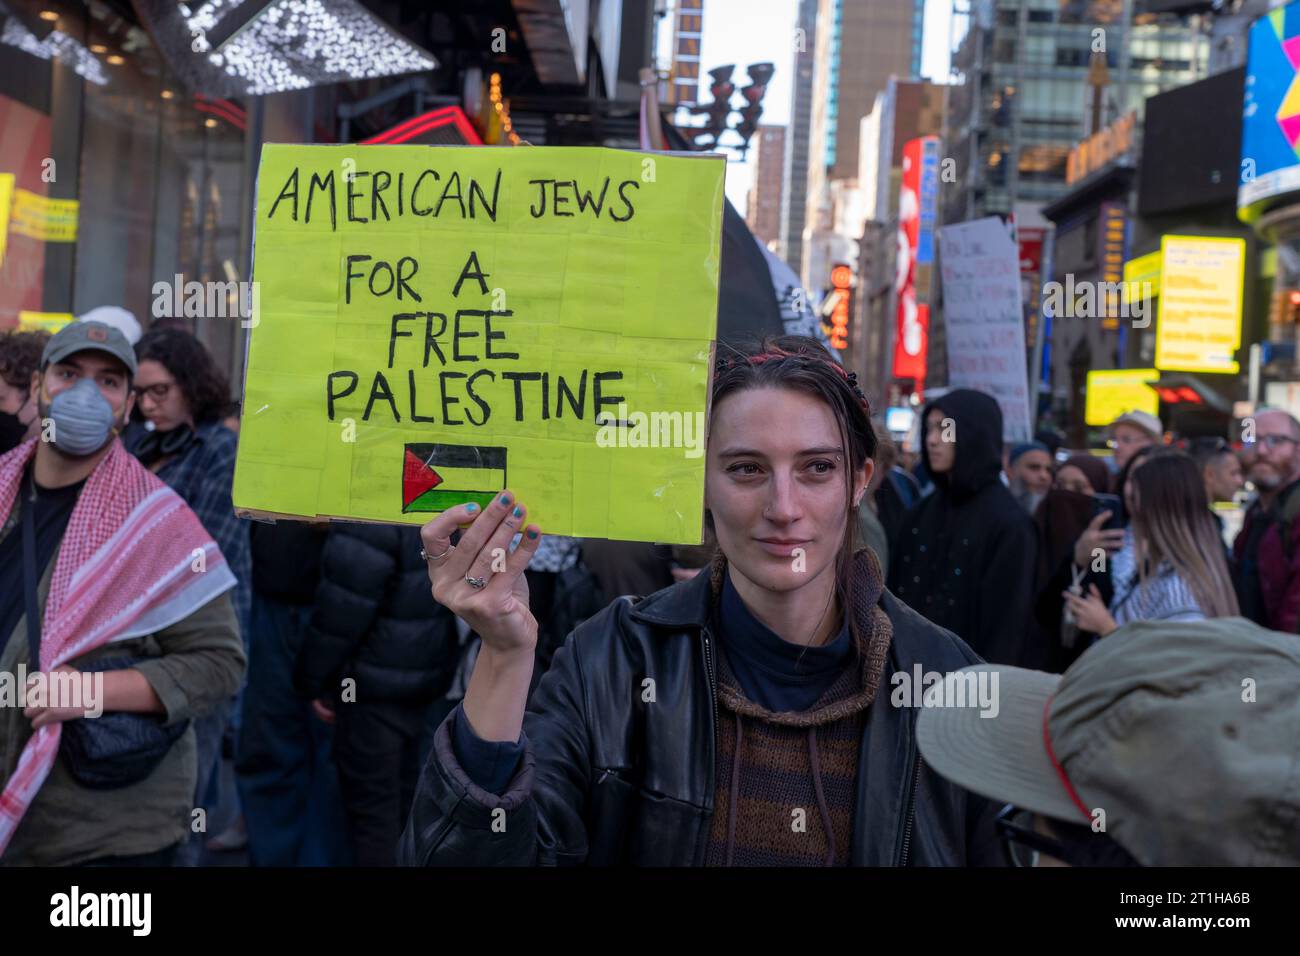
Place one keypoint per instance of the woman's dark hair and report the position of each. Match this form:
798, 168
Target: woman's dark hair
803, 364
203, 384
20, 355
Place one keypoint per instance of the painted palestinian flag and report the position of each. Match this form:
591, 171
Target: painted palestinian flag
438, 477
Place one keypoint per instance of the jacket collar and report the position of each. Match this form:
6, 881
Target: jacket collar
684, 604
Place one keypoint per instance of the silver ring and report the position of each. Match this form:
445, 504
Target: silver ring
425, 557
477, 583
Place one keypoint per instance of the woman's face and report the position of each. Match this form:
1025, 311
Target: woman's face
1070, 478
776, 485
161, 399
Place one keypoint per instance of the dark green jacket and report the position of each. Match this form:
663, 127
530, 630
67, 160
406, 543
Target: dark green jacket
191, 666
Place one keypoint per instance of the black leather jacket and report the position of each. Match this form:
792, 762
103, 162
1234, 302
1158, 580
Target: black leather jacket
607, 778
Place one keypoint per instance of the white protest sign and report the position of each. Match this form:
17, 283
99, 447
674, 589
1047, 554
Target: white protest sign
985, 319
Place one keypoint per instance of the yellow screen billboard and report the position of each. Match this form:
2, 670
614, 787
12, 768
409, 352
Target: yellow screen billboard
1201, 281
1112, 392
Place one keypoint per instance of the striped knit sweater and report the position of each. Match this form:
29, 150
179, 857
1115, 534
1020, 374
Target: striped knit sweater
785, 783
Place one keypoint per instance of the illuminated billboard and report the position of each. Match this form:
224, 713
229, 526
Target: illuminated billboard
842, 292
917, 201
1201, 281
1270, 132
1112, 392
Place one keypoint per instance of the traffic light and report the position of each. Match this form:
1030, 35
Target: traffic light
721, 89
759, 75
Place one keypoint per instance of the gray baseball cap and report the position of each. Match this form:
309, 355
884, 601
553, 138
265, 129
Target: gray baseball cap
1186, 735
88, 337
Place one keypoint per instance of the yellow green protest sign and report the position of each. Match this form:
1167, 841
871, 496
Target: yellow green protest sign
432, 324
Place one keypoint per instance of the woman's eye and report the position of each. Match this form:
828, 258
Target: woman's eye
744, 468
822, 467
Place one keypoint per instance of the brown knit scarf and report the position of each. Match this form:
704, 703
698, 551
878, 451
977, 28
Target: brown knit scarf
776, 770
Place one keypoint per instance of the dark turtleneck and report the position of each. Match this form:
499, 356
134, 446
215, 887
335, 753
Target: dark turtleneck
771, 671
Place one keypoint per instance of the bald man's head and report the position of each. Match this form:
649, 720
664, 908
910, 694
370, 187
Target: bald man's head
1277, 449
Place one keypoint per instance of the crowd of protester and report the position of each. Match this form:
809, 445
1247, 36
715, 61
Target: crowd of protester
383, 693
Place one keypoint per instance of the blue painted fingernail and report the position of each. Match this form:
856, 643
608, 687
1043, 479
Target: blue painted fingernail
532, 534
471, 507
518, 511
505, 499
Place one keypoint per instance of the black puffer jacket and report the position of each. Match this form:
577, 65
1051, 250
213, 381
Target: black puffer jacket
609, 779
375, 621
966, 555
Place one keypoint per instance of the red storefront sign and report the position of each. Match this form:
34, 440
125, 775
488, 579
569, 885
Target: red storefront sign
912, 331
842, 286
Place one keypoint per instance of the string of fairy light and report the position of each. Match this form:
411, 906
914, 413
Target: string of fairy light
503, 108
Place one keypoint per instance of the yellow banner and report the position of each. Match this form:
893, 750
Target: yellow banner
49, 321
1113, 392
6, 200
50, 220
1199, 326
435, 324
1143, 269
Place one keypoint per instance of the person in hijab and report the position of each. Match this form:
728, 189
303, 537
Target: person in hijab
1061, 517
1085, 475
966, 555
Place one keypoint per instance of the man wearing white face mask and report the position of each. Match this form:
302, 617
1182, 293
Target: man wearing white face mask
103, 568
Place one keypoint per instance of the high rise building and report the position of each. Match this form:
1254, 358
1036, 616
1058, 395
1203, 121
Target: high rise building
859, 46
794, 189
763, 208
1045, 119
1034, 77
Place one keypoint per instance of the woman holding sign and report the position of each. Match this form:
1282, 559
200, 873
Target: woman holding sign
762, 713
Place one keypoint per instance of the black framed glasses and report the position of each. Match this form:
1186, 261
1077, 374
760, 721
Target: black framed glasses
1021, 843
1074, 845
1275, 441
157, 393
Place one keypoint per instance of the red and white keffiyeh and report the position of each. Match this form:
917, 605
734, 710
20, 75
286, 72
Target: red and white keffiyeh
129, 565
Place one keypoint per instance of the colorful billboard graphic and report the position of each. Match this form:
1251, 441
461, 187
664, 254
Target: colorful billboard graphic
1270, 140
916, 217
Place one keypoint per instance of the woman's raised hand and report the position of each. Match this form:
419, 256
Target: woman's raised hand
1094, 538
480, 579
